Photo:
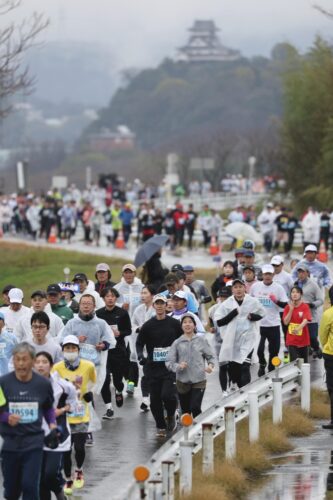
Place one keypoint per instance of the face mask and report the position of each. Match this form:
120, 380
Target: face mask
71, 356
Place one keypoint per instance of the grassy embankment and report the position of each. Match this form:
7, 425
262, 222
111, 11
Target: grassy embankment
32, 268
234, 479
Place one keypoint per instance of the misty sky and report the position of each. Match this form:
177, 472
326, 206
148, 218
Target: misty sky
142, 32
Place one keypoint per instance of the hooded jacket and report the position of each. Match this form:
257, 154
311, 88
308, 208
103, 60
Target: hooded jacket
195, 352
130, 294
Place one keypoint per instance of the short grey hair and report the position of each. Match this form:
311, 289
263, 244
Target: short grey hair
87, 294
24, 347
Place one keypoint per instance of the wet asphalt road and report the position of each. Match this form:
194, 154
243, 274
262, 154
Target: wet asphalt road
129, 440
304, 474
123, 443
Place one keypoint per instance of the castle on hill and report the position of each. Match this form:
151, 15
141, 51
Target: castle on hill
204, 45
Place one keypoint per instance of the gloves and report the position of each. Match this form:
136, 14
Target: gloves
52, 439
254, 317
142, 361
88, 397
273, 297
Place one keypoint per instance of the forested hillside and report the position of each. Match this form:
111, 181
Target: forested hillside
177, 99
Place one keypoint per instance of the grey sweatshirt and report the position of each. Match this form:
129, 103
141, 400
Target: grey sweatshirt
311, 295
195, 352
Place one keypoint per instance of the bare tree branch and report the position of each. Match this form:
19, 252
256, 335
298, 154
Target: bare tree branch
328, 13
15, 40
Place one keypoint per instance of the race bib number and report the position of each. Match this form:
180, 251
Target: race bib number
266, 301
292, 329
27, 411
79, 410
133, 299
2, 351
88, 351
160, 354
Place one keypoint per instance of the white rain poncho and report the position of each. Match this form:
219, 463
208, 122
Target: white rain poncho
241, 335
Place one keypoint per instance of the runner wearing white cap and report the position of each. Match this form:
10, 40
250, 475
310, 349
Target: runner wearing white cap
273, 297
16, 310
82, 374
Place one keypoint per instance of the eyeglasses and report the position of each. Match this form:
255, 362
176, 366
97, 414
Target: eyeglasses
38, 327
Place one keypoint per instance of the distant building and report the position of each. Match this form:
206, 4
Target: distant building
204, 45
107, 141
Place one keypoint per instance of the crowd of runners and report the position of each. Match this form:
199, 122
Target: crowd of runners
158, 333
102, 216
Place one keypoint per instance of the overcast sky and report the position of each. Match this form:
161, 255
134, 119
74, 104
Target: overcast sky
142, 32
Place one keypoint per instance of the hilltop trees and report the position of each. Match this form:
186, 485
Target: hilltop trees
307, 132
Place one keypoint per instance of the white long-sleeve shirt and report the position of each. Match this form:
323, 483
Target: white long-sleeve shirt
23, 327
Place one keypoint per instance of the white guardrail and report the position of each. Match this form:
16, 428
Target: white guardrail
176, 454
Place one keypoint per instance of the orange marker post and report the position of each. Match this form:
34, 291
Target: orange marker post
141, 474
186, 421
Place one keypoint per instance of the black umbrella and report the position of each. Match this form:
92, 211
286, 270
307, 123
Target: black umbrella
150, 247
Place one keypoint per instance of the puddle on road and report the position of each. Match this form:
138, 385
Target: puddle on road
305, 474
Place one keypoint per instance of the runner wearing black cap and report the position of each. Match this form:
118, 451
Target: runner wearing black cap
58, 304
157, 335
82, 280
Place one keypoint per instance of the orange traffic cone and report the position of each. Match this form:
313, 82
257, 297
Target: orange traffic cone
120, 242
53, 235
322, 254
214, 248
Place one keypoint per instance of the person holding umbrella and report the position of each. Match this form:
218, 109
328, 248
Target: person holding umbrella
153, 271
149, 248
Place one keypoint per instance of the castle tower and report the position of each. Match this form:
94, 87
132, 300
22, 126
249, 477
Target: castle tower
204, 45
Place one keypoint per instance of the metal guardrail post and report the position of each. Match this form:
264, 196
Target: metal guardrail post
305, 387
168, 480
277, 400
185, 475
253, 416
289, 374
207, 449
155, 490
230, 432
